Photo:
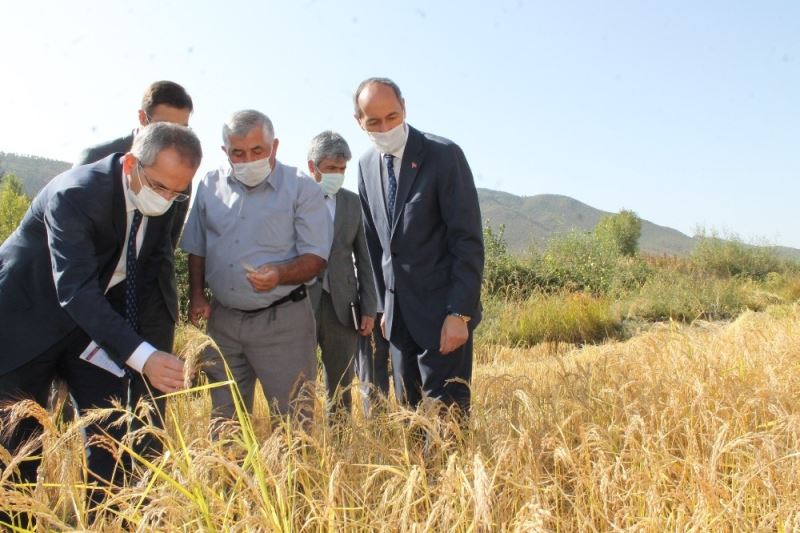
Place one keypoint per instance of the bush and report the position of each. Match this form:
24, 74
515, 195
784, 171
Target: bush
622, 231
13, 205
581, 261
672, 295
730, 256
504, 274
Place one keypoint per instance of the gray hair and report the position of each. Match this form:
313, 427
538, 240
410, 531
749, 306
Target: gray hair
240, 123
157, 137
328, 145
375, 81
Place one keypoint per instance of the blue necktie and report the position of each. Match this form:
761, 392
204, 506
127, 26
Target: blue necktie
131, 307
389, 159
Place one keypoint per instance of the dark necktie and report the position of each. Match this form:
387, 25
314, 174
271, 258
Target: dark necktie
131, 307
389, 159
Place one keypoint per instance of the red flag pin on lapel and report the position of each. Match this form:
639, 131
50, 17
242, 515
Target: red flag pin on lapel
413, 164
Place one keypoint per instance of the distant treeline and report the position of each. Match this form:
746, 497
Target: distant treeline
33, 171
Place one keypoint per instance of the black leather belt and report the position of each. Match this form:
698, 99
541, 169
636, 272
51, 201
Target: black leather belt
295, 296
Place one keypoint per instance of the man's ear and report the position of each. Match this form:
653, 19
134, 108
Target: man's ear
272, 157
311, 168
143, 120
128, 162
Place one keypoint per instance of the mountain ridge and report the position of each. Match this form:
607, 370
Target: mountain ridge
529, 221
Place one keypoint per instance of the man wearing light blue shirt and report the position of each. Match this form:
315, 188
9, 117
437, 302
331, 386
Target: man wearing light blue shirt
257, 232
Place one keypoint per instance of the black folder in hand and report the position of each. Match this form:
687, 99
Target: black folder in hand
355, 312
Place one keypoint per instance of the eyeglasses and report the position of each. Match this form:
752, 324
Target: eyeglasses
172, 195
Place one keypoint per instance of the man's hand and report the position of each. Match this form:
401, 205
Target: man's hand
454, 334
199, 308
264, 279
165, 372
367, 324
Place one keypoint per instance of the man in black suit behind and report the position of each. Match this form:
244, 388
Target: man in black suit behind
87, 252
423, 227
163, 101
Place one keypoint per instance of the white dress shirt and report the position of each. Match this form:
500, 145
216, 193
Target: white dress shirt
140, 356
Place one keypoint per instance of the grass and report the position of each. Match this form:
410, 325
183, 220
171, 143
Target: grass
562, 317
680, 428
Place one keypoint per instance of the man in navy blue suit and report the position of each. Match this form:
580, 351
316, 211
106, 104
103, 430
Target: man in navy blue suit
89, 249
425, 239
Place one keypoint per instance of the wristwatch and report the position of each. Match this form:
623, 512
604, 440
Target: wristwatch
465, 318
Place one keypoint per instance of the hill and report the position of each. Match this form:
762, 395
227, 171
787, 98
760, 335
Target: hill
34, 171
530, 221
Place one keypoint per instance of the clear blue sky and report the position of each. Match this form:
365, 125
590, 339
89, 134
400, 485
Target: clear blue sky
686, 112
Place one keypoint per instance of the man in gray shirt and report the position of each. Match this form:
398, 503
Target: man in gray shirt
257, 232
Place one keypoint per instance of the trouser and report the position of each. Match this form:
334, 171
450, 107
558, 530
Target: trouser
372, 366
420, 372
277, 346
338, 345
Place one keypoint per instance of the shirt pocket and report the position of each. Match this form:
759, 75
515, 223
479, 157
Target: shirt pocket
276, 234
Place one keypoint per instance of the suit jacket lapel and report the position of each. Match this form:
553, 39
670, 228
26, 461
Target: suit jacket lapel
412, 161
373, 183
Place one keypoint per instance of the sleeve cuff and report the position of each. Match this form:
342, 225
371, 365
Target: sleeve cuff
140, 356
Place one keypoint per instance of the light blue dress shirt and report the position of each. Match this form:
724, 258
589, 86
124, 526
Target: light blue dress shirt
274, 222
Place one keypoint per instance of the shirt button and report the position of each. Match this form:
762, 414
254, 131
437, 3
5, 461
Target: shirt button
236, 241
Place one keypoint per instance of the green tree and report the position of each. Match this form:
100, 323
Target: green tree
621, 230
13, 204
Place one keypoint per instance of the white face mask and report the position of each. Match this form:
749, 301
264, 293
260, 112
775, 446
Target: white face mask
389, 142
148, 201
331, 183
252, 173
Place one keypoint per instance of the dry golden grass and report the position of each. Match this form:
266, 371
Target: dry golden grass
683, 428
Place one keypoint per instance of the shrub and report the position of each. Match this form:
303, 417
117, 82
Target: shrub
622, 231
672, 295
731, 257
13, 204
581, 261
504, 274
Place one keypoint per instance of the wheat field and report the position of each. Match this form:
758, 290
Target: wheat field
681, 428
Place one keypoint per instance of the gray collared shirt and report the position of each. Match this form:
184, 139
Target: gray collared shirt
275, 222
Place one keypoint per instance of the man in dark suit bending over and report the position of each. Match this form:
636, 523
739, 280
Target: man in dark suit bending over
423, 227
72, 277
